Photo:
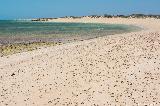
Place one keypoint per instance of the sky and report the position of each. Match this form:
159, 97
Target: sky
23, 9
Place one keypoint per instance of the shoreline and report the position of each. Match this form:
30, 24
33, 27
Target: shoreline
136, 21
121, 69
15, 44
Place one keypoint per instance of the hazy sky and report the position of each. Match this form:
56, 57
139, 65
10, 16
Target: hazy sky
13, 9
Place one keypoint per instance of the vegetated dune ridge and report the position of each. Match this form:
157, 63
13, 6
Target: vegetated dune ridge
121, 70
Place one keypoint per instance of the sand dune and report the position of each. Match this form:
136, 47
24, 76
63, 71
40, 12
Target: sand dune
116, 70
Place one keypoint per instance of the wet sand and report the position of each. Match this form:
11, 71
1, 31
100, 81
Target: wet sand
9, 46
121, 70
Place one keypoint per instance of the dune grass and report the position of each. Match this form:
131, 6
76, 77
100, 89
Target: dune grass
23, 47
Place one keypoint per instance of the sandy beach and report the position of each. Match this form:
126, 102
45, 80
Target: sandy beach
115, 70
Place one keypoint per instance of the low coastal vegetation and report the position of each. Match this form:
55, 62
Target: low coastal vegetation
23, 47
104, 16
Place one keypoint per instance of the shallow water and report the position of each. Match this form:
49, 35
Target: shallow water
28, 31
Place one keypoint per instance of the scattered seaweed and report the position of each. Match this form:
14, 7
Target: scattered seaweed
10, 49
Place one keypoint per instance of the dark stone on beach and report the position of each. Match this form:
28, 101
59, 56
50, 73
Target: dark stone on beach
13, 74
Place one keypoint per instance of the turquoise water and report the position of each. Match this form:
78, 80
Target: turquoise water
11, 31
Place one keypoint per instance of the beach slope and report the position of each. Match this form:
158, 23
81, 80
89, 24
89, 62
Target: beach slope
121, 70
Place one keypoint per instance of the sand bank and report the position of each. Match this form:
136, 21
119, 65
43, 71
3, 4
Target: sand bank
121, 70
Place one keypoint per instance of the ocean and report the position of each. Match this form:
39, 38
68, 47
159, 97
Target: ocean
12, 31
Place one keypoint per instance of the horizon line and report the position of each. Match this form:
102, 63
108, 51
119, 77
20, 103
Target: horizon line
67, 16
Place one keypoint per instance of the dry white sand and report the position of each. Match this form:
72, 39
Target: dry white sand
117, 70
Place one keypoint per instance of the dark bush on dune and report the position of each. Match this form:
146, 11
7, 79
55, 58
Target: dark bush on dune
107, 16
